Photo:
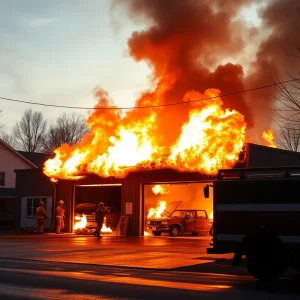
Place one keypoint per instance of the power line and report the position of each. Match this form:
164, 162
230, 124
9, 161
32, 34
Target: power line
153, 106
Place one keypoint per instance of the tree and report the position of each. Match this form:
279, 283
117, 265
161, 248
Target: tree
68, 129
287, 111
9, 139
290, 138
30, 131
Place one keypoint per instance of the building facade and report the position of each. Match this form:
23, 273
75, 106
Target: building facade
135, 189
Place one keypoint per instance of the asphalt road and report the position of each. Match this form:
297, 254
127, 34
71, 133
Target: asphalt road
51, 268
46, 280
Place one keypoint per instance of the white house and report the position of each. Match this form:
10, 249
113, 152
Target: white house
10, 160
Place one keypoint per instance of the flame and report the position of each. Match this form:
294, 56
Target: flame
268, 136
210, 139
146, 233
211, 216
159, 190
155, 212
83, 221
104, 228
81, 224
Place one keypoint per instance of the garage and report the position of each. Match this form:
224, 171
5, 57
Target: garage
177, 208
86, 199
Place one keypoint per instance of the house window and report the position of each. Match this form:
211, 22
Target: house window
32, 204
2, 178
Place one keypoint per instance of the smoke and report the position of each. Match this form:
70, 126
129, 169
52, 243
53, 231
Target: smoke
195, 45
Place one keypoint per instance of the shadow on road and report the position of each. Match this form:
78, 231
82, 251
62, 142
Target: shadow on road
136, 283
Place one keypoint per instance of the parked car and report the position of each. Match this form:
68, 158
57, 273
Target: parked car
89, 210
174, 221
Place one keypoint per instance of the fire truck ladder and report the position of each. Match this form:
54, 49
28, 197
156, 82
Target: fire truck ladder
259, 172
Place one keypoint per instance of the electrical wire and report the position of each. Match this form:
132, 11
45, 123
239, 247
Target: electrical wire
153, 106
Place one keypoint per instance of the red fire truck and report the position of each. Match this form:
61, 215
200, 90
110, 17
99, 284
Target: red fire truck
257, 215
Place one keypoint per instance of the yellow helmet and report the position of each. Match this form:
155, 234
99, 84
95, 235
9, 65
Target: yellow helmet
61, 202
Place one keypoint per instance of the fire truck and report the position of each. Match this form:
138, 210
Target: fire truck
257, 216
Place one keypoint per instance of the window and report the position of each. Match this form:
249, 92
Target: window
2, 178
179, 214
201, 214
32, 204
190, 215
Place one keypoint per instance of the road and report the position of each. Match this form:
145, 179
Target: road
84, 268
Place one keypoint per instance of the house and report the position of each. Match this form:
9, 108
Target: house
10, 160
133, 194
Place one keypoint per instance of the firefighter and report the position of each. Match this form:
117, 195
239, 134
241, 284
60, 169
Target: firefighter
41, 214
100, 213
60, 215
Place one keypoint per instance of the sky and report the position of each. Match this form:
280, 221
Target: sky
58, 52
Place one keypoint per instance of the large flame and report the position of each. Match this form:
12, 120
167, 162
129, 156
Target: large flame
155, 212
268, 136
81, 224
210, 139
159, 190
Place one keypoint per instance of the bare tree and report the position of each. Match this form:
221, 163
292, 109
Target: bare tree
30, 131
287, 110
9, 139
290, 138
68, 129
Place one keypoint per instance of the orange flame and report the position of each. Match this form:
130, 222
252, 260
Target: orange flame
210, 139
155, 212
104, 228
81, 224
211, 216
159, 190
268, 136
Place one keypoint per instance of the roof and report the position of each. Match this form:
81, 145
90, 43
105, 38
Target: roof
8, 147
38, 159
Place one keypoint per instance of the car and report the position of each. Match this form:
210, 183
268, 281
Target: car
177, 221
89, 210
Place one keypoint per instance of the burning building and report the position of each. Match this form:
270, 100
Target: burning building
182, 131
137, 192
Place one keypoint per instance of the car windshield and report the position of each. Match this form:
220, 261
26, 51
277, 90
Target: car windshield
85, 208
178, 214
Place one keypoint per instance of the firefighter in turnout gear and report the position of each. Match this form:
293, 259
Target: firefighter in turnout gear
60, 216
41, 214
100, 214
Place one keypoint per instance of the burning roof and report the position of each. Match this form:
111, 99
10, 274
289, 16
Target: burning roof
182, 44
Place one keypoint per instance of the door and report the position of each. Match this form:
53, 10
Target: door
190, 221
202, 223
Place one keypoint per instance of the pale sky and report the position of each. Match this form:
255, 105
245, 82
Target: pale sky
58, 51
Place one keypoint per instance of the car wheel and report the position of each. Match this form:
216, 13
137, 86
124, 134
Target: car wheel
174, 230
157, 233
